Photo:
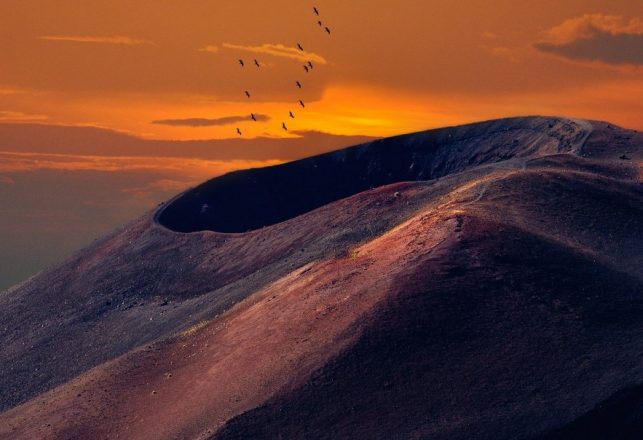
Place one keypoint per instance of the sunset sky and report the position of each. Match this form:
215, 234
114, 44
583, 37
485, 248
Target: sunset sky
113, 89
168, 68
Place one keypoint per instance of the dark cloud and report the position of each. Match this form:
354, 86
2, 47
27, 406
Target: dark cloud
604, 47
203, 122
606, 39
92, 141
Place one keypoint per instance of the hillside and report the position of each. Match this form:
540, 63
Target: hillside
482, 281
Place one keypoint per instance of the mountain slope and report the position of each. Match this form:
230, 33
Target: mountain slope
501, 298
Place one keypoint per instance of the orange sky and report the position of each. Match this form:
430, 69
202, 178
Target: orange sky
388, 67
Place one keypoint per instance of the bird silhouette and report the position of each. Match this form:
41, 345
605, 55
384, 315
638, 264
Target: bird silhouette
238, 131
315, 10
283, 125
302, 103
291, 114
300, 47
298, 84
242, 63
327, 30
248, 94
257, 63
319, 22
310, 64
306, 68
252, 116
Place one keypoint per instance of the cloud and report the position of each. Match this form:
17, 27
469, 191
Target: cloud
116, 39
211, 49
6, 180
275, 50
8, 116
201, 168
609, 39
202, 122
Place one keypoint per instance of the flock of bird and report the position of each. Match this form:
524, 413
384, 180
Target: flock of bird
308, 66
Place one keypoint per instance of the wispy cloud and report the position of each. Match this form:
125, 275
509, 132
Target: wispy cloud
202, 122
609, 39
6, 91
9, 116
211, 49
11, 162
275, 50
115, 39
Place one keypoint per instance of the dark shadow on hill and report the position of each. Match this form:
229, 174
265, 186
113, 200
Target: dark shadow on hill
618, 418
251, 199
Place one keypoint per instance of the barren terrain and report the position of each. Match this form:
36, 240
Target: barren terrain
482, 281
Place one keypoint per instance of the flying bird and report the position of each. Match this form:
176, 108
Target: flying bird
300, 46
298, 84
238, 131
248, 94
310, 64
283, 125
252, 116
291, 114
315, 10
327, 30
319, 22
302, 103
306, 68
257, 63
242, 63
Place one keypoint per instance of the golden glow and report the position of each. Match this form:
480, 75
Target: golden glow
386, 69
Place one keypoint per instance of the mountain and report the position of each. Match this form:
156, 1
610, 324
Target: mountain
482, 281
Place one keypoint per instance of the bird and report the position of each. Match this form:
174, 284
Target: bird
319, 22
300, 47
327, 30
298, 84
257, 63
306, 68
252, 116
248, 94
242, 63
283, 125
310, 64
291, 114
239, 131
315, 10
302, 103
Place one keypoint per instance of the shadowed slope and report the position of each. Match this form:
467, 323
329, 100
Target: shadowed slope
251, 199
619, 417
